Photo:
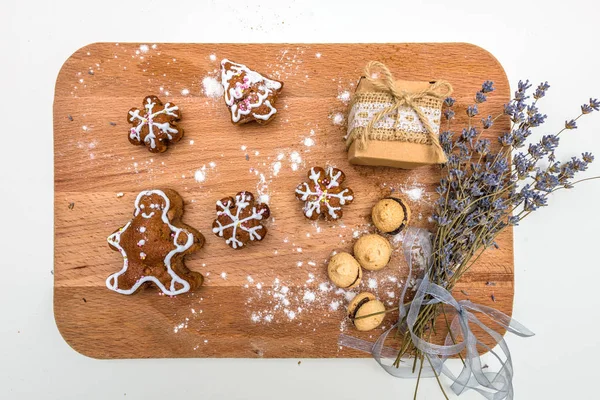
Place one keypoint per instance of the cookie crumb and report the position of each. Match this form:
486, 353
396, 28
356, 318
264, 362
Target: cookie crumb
299, 362
84, 300
71, 206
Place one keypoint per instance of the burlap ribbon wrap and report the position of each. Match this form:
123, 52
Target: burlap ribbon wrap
393, 103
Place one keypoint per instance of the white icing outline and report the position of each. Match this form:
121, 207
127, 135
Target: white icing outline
115, 238
233, 93
305, 190
165, 127
241, 204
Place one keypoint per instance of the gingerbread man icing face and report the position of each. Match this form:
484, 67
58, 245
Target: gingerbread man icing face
153, 245
150, 206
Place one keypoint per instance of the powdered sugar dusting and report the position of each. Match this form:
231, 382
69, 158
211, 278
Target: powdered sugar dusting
372, 283
212, 87
309, 297
415, 194
344, 96
334, 305
337, 119
308, 142
201, 174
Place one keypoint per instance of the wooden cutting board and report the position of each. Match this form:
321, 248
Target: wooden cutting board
273, 298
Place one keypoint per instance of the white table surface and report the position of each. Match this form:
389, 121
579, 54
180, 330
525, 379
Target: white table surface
555, 251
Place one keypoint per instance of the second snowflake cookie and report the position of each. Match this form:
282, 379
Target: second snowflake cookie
240, 220
323, 193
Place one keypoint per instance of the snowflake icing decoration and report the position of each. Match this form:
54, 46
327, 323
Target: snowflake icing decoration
240, 220
155, 126
323, 193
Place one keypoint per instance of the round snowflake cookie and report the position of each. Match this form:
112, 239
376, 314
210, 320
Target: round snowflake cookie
155, 126
323, 193
240, 220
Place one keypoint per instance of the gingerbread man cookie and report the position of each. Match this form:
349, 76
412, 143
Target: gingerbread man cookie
153, 245
240, 220
249, 95
323, 194
156, 125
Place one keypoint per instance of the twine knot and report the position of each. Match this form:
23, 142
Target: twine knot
384, 82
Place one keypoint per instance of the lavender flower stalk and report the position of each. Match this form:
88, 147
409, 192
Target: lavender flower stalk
484, 190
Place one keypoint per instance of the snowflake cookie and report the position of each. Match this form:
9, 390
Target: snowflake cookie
155, 125
153, 244
249, 95
323, 193
240, 220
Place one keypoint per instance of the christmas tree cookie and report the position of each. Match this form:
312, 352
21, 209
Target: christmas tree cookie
249, 95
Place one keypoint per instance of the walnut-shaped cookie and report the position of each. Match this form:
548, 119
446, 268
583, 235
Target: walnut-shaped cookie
153, 244
390, 215
154, 126
366, 312
249, 95
323, 193
344, 271
240, 220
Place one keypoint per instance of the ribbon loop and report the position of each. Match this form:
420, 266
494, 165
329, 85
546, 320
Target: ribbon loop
491, 385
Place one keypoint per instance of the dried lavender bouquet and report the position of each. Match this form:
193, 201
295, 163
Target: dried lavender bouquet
483, 192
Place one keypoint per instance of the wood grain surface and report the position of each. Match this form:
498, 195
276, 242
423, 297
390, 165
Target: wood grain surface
271, 299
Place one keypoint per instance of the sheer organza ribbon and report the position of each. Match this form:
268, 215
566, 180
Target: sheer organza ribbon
491, 385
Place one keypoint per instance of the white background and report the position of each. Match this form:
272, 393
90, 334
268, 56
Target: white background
556, 260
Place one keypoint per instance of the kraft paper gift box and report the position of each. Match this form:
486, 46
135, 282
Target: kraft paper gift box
399, 137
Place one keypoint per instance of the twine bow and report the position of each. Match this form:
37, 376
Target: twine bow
491, 385
401, 98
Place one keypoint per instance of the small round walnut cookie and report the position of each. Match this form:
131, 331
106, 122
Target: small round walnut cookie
390, 215
362, 305
154, 126
240, 220
344, 271
373, 251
